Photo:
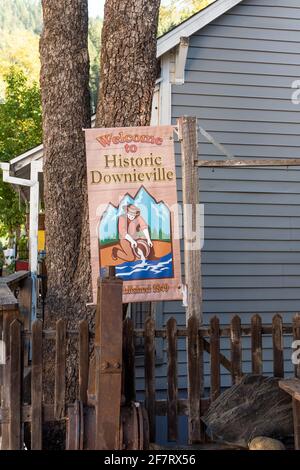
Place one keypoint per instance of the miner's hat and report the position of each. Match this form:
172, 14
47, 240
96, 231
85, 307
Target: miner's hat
131, 209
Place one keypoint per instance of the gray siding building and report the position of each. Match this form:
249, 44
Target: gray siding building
234, 66
237, 79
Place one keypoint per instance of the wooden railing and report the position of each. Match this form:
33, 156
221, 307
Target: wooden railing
199, 340
17, 409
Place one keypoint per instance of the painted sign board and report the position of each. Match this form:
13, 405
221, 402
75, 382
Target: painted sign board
133, 210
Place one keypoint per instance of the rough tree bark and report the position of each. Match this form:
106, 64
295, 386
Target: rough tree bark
128, 63
66, 111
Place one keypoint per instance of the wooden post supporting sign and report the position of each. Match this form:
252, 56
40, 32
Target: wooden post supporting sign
187, 132
108, 354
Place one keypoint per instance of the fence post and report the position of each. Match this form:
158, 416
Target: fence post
128, 361
108, 354
187, 131
150, 374
9, 314
278, 364
236, 348
256, 344
83, 360
60, 370
194, 381
15, 387
36, 385
296, 336
214, 358
172, 380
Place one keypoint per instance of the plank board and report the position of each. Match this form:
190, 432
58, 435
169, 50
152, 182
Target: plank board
215, 373
172, 379
236, 349
60, 370
256, 344
128, 361
187, 130
278, 364
15, 385
296, 337
150, 375
83, 360
194, 381
36, 385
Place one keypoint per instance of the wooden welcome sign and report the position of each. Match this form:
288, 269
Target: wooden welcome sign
133, 210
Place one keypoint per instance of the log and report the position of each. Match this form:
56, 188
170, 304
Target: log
254, 407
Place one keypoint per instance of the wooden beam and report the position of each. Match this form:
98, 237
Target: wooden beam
187, 132
247, 163
108, 354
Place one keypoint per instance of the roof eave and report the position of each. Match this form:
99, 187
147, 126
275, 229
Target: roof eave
196, 22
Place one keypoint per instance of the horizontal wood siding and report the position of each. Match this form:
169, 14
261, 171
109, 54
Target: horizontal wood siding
239, 73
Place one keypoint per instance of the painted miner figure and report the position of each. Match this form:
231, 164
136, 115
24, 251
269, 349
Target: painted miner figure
130, 226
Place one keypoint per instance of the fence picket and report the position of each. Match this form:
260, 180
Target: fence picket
194, 381
150, 374
236, 348
60, 370
128, 361
172, 380
256, 344
278, 365
215, 377
83, 360
8, 316
296, 337
36, 385
15, 387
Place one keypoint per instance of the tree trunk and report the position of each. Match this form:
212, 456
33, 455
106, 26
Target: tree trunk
66, 111
128, 63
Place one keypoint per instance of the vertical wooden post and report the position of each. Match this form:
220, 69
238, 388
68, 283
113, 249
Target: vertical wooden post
83, 360
60, 370
15, 387
278, 363
36, 385
236, 348
296, 336
108, 353
9, 313
172, 379
256, 344
150, 374
194, 384
215, 358
24, 299
128, 361
296, 419
187, 131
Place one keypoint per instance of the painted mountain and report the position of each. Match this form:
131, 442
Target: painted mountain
155, 214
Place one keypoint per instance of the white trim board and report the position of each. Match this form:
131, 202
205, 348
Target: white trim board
193, 24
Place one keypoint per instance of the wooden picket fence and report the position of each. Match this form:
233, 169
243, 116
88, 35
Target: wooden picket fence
15, 411
200, 339
20, 406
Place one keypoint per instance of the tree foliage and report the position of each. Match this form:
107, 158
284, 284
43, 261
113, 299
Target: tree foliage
21, 25
176, 11
20, 130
